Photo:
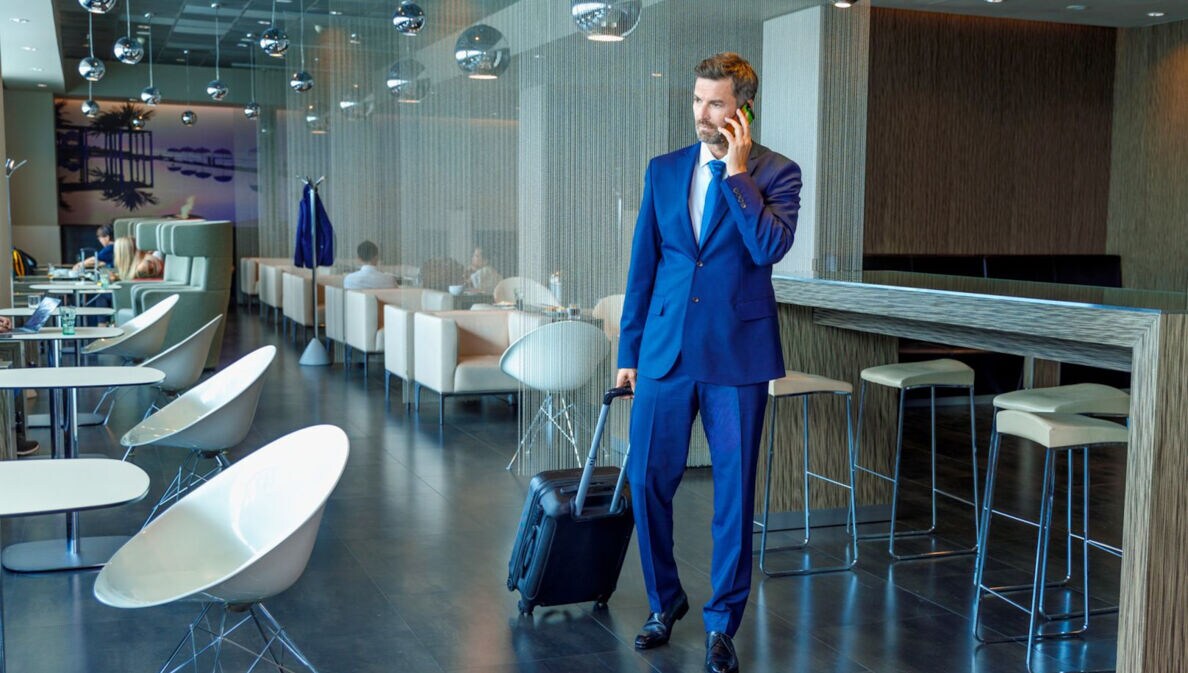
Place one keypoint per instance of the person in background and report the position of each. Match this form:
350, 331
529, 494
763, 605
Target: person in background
368, 277
106, 254
133, 264
699, 336
481, 276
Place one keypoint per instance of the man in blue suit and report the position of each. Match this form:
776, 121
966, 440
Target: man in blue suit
700, 335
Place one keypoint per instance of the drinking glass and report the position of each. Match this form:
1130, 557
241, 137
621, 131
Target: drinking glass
66, 317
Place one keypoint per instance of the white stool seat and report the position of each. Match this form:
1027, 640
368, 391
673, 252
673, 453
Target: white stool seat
1079, 398
943, 372
799, 383
1059, 430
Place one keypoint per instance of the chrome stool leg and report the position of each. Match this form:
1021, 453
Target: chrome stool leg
807, 475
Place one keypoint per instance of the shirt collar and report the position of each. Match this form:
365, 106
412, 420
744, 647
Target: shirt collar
705, 156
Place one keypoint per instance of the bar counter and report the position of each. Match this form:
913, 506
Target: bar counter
1150, 343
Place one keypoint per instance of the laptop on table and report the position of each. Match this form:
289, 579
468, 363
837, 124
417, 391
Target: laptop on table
41, 314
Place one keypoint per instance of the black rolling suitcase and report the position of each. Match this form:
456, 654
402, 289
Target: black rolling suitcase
574, 531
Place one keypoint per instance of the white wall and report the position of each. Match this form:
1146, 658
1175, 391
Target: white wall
29, 136
789, 107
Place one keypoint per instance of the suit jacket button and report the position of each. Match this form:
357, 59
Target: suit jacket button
696, 300
700, 263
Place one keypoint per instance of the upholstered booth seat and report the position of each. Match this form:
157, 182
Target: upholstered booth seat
204, 250
364, 316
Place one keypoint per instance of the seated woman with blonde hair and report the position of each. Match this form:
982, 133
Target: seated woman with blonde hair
131, 264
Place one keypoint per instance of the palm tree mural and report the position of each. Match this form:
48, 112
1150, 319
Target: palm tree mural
121, 192
120, 119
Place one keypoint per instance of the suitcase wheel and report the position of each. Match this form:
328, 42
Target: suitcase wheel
600, 605
526, 608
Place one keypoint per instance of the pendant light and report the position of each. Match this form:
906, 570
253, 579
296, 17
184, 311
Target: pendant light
482, 52
252, 109
97, 6
302, 81
91, 68
128, 49
215, 87
90, 108
150, 95
409, 18
188, 118
606, 20
273, 40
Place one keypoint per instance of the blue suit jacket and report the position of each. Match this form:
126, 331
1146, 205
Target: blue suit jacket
712, 305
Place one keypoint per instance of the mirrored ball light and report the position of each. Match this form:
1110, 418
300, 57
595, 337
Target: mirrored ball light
188, 117
128, 50
90, 109
406, 81
408, 19
150, 95
251, 110
481, 52
216, 89
98, 6
301, 82
137, 123
606, 20
274, 42
91, 69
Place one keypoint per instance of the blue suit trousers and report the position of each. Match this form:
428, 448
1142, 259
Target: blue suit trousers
661, 424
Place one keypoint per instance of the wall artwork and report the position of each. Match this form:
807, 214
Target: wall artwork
132, 159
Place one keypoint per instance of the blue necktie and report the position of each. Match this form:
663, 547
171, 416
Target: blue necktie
713, 196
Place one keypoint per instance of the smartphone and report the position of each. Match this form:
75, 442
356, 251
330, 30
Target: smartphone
748, 113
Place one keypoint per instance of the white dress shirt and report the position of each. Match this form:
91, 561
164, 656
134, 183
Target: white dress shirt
369, 278
697, 189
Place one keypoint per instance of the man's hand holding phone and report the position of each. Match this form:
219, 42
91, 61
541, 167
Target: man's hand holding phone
738, 139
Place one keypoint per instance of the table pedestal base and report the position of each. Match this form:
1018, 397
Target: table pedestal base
48, 555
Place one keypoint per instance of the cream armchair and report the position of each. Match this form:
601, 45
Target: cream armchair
396, 331
364, 316
300, 304
457, 352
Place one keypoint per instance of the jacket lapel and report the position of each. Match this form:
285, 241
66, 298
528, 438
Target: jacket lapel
710, 221
678, 181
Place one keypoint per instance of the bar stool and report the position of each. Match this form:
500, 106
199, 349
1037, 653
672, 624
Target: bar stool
797, 384
1056, 433
930, 374
1092, 399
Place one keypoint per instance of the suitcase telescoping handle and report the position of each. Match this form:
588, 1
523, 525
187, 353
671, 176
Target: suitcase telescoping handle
588, 471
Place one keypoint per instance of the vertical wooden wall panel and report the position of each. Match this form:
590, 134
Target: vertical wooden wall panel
987, 136
1148, 197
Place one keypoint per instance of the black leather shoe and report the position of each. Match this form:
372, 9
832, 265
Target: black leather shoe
658, 628
719, 653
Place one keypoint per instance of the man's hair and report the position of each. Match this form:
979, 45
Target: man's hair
106, 231
740, 72
367, 251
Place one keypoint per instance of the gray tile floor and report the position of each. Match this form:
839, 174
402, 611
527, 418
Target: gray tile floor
409, 571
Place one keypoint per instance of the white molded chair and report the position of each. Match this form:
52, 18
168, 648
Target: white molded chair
143, 334
183, 362
555, 359
244, 537
143, 337
208, 419
530, 292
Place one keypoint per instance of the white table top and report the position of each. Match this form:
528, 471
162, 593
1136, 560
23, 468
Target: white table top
25, 312
78, 377
48, 486
87, 287
55, 334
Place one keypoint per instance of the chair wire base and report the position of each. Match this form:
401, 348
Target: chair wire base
555, 412
187, 477
206, 639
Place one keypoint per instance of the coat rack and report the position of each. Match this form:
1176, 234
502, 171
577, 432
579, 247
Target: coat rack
315, 353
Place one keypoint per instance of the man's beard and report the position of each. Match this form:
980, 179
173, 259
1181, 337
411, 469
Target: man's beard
710, 137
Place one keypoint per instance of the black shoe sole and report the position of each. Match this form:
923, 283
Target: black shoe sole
676, 617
